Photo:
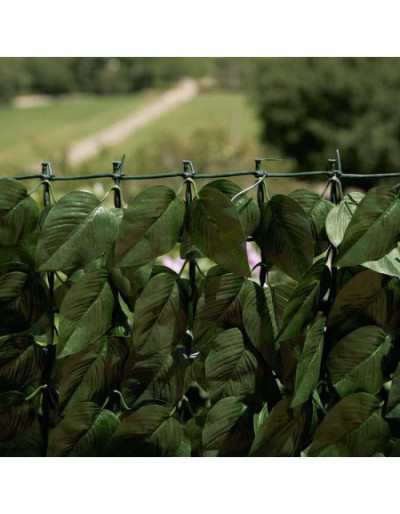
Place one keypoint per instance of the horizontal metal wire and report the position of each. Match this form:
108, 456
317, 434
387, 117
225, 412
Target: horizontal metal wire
211, 175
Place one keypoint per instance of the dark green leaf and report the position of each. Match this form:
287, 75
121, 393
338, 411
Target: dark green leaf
316, 207
20, 365
285, 235
355, 363
131, 281
23, 298
150, 227
280, 433
387, 265
86, 312
12, 283
303, 303
227, 429
149, 431
354, 427
77, 230
374, 228
154, 378
308, 367
230, 368
219, 303
160, 319
19, 214
258, 318
16, 414
281, 288
339, 217
247, 208
356, 295
83, 432
217, 231
20, 434
81, 376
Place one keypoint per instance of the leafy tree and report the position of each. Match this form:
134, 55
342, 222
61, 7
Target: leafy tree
98, 75
309, 107
53, 76
14, 78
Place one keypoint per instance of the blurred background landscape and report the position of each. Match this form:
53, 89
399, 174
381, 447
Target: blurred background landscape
222, 113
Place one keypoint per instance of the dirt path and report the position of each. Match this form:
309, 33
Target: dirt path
92, 145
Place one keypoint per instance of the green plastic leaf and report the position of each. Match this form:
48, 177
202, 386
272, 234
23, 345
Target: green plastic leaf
260, 418
20, 434
374, 228
84, 431
217, 231
355, 363
16, 414
226, 431
86, 312
25, 443
354, 427
303, 303
12, 283
285, 235
150, 227
280, 433
281, 288
11, 193
231, 368
246, 207
19, 213
339, 217
152, 372
219, 303
81, 376
77, 230
23, 298
387, 265
308, 367
149, 431
20, 364
130, 282
316, 207
160, 315
193, 431
258, 319
154, 378
361, 291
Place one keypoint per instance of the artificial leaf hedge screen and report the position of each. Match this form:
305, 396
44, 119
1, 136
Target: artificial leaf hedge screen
104, 351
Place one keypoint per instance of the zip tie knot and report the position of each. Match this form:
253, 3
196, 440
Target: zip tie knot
247, 189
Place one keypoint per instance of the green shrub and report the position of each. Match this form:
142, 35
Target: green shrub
309, 107
98, 75
14, 79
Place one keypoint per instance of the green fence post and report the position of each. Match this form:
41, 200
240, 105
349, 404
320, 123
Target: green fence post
261, 196
49, 399
117, 177
189, 174
335, 196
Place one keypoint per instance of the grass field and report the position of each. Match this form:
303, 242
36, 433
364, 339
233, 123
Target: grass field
210, 119
28, 136
217, 131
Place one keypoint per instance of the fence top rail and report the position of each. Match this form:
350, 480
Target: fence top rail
205, 176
